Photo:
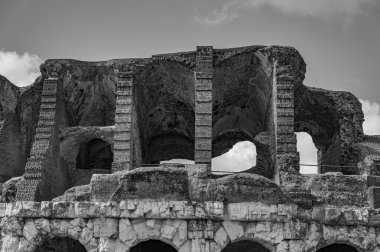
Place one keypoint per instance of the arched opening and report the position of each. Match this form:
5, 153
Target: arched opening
241, 115
95, 154
245, 246
308, 154
164, 98
153, 246
334, 128
241, 157
338, 248
60, 244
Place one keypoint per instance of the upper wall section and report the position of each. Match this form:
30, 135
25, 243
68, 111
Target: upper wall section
163, 94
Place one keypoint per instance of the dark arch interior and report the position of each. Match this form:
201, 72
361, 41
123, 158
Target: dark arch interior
95, 154
338, 248
152, 246
59, 244
241, 101
164, 93
245, 246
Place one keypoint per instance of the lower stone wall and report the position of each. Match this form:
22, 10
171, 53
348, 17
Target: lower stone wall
188, 227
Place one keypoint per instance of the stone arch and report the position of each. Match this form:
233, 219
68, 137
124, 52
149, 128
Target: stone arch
164, 98
94, 154
333, 126
38, 231
60, 244
171, 232
247, 245
339, 247
241, 101
153, 245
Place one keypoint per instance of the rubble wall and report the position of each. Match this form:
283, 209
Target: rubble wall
208, 226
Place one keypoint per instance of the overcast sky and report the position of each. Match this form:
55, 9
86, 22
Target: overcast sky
339, 39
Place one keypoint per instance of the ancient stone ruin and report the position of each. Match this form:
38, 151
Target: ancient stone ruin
83, 151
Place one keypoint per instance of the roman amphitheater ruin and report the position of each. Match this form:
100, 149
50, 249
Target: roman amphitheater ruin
83, 151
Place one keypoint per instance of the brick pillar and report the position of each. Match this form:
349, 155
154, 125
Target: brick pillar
319, 157
122, 158
285, 138
203, 106
38, 168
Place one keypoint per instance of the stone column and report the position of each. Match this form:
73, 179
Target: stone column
203, 107
123, 147
286, 139
39, 168
319, 160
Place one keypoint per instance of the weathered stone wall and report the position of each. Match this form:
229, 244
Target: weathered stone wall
208, 226
70, 140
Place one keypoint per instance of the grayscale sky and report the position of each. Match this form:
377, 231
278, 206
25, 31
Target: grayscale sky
339, 39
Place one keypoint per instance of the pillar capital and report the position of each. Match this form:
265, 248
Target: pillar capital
124, 70
53, 70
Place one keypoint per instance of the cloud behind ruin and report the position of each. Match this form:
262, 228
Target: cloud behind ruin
20, 69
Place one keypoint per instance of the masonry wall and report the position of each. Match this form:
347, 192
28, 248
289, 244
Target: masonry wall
209, 226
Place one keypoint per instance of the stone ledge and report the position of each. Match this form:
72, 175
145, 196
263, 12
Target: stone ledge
152, 209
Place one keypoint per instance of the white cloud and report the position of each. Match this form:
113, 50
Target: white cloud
21, 70
240, 157
345, 10
308, 153
371, 110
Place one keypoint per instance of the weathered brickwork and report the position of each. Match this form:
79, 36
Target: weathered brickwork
37, 167
203, 106
123, 121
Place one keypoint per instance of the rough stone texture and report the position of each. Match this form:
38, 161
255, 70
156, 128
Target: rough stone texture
334, 120
9, 189
12, 157
78, 118
271, 226
237, 188
77, 193
153, 183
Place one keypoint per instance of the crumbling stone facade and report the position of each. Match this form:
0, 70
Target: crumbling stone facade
92, 139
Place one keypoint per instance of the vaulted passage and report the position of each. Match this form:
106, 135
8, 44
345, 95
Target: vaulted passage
164, 98
153, 246
94, 154
241, 110
59, 244
245, 246
338, 248
241, 101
